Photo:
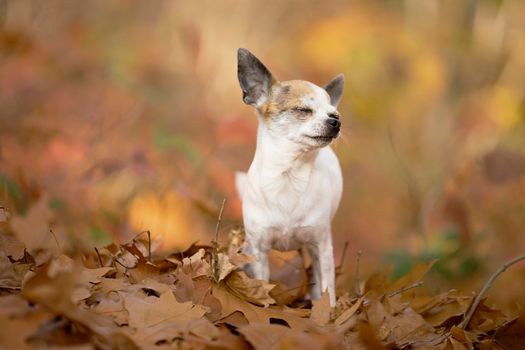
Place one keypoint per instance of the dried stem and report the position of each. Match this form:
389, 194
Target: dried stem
149, 245
404, 289
215, 257
472, 309
99, 258
56, 241
219, 220
357, 278
124, 266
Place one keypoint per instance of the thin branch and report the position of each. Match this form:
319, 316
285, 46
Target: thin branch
404, 289
215, 256
124, 266
99, 258
219, 220
357, 279
149, 245
472, 309
56, 241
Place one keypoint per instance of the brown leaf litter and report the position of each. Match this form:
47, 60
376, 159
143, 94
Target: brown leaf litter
127, 297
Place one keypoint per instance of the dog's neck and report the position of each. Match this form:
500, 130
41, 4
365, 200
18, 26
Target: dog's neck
276, 157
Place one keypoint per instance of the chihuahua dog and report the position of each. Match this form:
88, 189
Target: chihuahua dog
293, 187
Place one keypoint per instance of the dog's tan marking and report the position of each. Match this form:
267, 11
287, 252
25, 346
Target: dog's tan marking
287, 95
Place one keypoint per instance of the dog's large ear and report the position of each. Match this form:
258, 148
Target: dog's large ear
255, 79
335, 89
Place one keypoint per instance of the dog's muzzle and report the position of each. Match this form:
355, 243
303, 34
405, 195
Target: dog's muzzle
333, 124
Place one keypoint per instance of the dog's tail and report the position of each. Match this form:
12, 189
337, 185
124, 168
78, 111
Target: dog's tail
240, 182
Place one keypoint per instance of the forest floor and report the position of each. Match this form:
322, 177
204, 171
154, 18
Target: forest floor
129, 297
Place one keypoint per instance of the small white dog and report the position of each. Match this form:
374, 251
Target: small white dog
293, 187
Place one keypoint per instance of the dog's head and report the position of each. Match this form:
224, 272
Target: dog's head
296, 110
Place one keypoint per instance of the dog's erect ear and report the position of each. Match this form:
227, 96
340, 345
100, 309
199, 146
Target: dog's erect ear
255, 79
335, 89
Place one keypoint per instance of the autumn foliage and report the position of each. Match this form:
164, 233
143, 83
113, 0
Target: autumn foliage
129, 297
124, 116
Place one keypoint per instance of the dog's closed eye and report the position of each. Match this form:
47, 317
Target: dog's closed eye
304, 110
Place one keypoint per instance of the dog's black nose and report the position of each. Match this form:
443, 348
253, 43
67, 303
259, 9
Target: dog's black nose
334, 123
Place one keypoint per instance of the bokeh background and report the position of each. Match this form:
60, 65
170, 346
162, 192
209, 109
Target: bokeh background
123, 116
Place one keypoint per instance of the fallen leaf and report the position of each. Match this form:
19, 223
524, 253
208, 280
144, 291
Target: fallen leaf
11, 275
265, 336
321, 310
11, 246
512, 334
33, 228
149, 311
348, 313
252, 290
231, 303
225, 267
196, 265
413, 276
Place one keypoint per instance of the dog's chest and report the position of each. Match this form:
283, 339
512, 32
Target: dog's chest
286, 210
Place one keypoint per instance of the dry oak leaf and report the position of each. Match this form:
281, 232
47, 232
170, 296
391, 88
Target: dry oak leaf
231, 303
167, 333
225, 267
196, 265
55, 294
348, 313
11, 275
16, 330
147, 311
11, 246
275, 337
112, 305
252, 290
404, 328
512, 334
450, 306
33, 228
413, 276
321, 310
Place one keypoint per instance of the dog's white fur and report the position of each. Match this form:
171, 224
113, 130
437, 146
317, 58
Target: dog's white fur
294, 184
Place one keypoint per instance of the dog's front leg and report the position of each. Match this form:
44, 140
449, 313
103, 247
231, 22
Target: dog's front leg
323, 276
258, 269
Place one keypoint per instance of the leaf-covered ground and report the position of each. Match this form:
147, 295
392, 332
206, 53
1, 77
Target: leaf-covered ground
128, 297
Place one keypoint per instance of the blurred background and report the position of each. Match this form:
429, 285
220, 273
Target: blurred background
123, 116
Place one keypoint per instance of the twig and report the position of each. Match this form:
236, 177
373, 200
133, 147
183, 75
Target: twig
219, 220
215, 256
99, 258
357, 279
56, 241
124, 266
149, 245
404, 289
472, 309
